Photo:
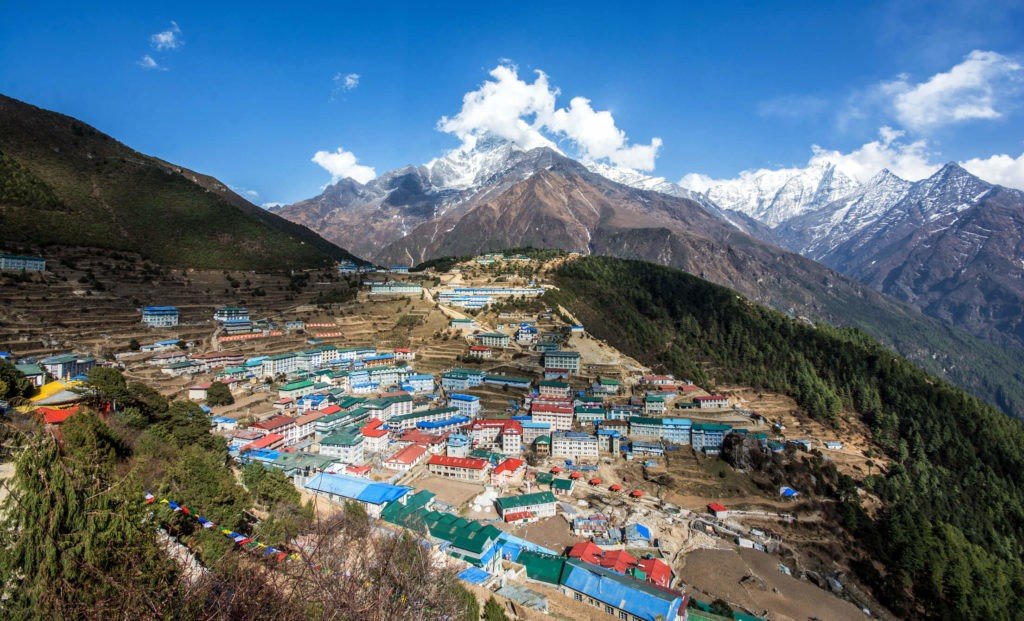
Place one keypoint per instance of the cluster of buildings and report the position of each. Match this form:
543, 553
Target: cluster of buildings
482, 297
63, 367
21, 263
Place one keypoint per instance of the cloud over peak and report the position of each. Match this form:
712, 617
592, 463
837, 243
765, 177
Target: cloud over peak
526, 114
344, 164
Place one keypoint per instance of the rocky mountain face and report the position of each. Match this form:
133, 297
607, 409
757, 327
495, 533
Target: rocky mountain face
495, 197
952, 245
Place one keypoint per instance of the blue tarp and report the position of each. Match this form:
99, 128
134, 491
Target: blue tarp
788, 492
635, 532
622, 592
474, 575
356, 488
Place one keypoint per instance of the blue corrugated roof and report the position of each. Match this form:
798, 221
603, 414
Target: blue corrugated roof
440, 424
638, 531
633, 596
474, 575
356, 489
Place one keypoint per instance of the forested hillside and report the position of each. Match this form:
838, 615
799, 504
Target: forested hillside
950, 535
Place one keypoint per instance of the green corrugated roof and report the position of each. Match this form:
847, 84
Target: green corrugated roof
542, 567
525, 500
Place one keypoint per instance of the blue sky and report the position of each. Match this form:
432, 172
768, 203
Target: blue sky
248, 93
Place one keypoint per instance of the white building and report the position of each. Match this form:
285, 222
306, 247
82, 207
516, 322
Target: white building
574, 445
160, 316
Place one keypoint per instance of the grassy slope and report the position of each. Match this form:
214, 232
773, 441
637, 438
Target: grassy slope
64, 182
952, 531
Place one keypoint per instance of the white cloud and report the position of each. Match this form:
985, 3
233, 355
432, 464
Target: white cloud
344, 82
503, 107
272, 205
978, 88
525, 113
1001, 169
342, 164
909, 160
147, 62
698, 182
169, 39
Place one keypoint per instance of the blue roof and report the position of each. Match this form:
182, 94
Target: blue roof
462, 397
440, 424
474, 575
356, 489
633, 596
223, 419
160, 309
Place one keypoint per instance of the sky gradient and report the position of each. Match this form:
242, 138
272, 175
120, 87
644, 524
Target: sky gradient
249, 94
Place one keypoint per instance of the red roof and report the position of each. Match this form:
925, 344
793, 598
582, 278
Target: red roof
586, 551
56, 416
689, 388
545, 408
555, 470
657, 571
518, 515
715, 507
408, 455
375, 432
617, 560
509, 465
507, 425
636, 493
267, 441
331, 409
710, 398
403, 350
309, 418
471, 463
358, 470
615, 487
275, 423
595, 481
575, 475
479, 348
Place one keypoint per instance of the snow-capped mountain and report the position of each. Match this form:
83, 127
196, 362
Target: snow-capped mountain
774, 196
466, 168
815, 233
640, 181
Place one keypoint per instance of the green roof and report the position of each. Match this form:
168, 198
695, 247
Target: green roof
525, 500
545, 478
348, 436
562, 484
607, 381
284, 356
711, 427
492, 334
654, 399
545, 439
29, 369
422, 414
297, 385
553, 384
542, 567
464, 535
645, 420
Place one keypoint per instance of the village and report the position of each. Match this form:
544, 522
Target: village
533, 457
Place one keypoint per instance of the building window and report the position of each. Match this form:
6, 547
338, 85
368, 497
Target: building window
609, 609
578, 597
623, 615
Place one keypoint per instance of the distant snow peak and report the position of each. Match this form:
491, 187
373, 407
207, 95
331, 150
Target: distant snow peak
471, 164
774, 196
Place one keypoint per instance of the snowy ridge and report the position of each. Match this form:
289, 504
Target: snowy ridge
774, 196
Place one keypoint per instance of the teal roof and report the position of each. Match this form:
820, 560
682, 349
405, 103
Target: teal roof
525, 500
